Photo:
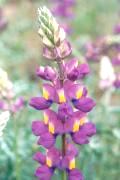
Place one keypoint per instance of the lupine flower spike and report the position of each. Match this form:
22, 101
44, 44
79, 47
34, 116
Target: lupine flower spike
7, 95
73, 103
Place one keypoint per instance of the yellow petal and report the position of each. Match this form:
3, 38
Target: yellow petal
51, 128
61, 95
76, 126
72, 164
45, 94
46, 118
48, 162
79, 93
82, 121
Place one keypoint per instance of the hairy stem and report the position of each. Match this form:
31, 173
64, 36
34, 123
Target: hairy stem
62, 77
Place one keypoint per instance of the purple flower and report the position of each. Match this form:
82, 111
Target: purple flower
92, 52
83, 70
68, 161
39, 157
64, 8
71, 150
70, 97
3, 105
84, 104
64, 111
44, 173
116, 61
48, 163
117, 81
18, 104
40, 103
38, 128
53, 157
75, 71
46, 140
49, 92
85, 131
46, 73
75, 174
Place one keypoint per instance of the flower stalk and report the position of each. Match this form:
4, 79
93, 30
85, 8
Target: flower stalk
73, 104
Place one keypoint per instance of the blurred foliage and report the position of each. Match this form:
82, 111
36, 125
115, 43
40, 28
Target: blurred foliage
20, 54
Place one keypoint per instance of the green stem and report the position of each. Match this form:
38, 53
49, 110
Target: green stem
62, 77
63, 175
16, 165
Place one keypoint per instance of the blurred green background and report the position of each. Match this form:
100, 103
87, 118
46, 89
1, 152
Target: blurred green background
21, 53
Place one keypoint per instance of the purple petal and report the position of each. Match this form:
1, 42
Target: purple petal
40, 103
76, 91
50, 115
89, 129
3, 105
73, 75
18, 105
39, 157
84, 104
117, 83
58, 126
55, 155
80, 138
85, 131
68, 126
65, 162
44, 173
64, 50
46, 73
64, 111
40, 72
64, 8
75, 174
48, 91
50, 73
38, 128
70, 65
116, 61
47, 140
49, 53
83, 70
71, 150
78, 114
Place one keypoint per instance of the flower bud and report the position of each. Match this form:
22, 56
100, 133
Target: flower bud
50, 31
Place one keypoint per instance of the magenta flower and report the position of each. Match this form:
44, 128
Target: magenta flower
40, 103
44, 173
72, 105
64, 8
92, 52
86, 131
116, 60
84, 104
18, 105
46, 73
117, 81
48, 163
75, 71
75, 174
